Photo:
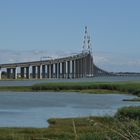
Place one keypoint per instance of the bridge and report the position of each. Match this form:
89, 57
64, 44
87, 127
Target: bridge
74, 66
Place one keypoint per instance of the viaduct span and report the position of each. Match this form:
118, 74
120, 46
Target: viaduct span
75, 66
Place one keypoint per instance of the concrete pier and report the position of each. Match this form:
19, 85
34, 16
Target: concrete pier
56, 70
0, 74
73, 69
8, 73
34, 72
68, 70
22, 72
58, 76
27, 73
43, 71
77, 69
14, 73
39, 76
51, 71
63, 69
48, 68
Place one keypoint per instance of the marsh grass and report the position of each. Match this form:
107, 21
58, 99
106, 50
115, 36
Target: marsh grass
91, 87
83, 87
129, 113
133, 99
15, 88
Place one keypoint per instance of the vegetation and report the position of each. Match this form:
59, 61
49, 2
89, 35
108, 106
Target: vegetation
120, 127
125, 125
133, 99
128, 113
83, 87
15, 88
125, 87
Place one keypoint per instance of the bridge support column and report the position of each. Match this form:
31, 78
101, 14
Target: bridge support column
84, 67
88, 64
68, 69
58, 70
8, 73
51, 71
63, 69
48, 71
14, 73
33, 71
77, 68
22, 72
73, 68
38, 72
0, 74
80, 68
27, 73
91, 63
43, 71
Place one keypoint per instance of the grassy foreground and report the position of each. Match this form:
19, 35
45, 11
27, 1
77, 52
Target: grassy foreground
125, 125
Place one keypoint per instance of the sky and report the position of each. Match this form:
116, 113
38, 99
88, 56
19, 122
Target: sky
33, 29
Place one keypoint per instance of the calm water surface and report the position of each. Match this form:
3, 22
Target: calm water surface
32, 109
94, 79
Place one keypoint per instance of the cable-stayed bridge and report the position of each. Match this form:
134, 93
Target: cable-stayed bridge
74, 66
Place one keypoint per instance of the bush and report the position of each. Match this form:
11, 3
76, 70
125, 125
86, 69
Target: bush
128, 113
136, 92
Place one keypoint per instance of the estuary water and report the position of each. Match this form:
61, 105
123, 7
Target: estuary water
93, 79
33, 109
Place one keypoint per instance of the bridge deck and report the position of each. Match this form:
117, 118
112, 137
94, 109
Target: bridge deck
43, 62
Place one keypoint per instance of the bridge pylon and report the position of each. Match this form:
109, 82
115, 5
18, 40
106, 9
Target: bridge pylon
86, 42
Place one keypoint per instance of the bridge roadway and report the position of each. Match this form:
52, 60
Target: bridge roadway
75, 66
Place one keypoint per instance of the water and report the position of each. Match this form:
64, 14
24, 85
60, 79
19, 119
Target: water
94, 79
33, 109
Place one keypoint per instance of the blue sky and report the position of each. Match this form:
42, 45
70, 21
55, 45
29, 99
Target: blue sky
30, 29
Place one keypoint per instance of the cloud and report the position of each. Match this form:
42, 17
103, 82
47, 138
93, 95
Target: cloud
10, 56
117, 62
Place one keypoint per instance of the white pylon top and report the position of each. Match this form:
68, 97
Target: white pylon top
87, 42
